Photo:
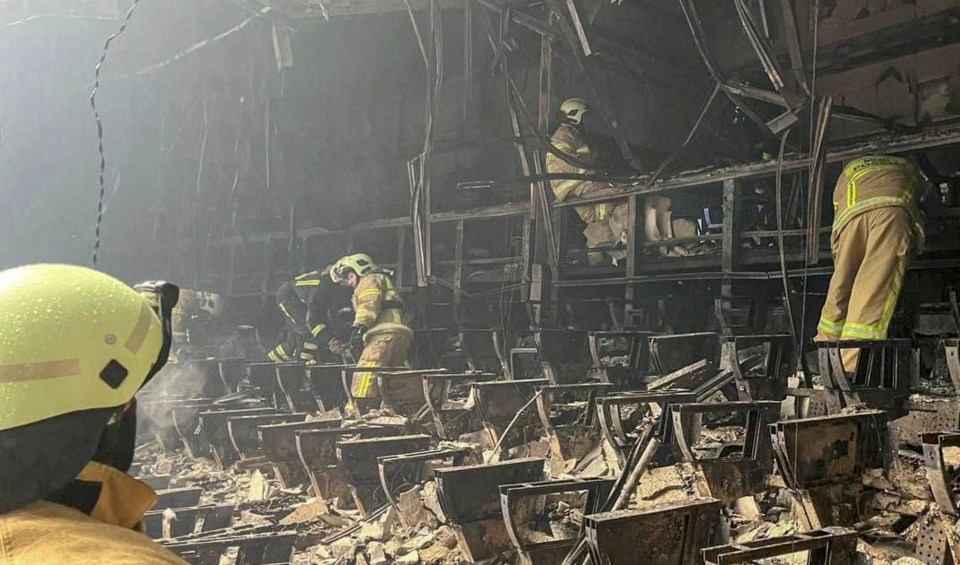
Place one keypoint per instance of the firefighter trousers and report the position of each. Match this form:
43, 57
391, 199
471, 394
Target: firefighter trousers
870, 258
383, 349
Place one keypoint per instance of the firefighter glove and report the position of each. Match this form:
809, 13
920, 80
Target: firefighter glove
336, 346
356, 339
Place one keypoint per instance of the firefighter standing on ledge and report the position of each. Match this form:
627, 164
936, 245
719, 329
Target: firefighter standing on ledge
379, 327
877, 224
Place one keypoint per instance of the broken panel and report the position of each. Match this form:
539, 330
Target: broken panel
402, 391
318, 455
279, 445
244, 433
831, 449
568, 414
292, 380
408, 470
470, 499
622, 415
327, 386
447, 396
671, 534
484, 350
620, 357
498, 402
358, 463
829, 546
669, 353
529, 507
185, 521
760, 364
213, 426
256, 549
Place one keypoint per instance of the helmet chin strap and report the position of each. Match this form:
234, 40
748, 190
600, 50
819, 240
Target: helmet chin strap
119, 439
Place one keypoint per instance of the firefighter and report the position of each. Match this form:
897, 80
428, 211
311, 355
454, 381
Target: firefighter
76, 345
606, 223
305, 302
877, 224
193, 308
380, 327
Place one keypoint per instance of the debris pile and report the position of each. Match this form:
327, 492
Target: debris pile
701, 449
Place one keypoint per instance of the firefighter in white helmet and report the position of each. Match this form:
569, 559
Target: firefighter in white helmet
76, 346
606, 222
380, 327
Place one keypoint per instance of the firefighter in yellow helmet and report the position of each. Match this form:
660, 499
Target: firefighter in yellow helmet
606, 222
379, 327
75, 347
876, 226
306, 303
194, 309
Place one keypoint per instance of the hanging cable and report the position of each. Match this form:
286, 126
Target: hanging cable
96, 115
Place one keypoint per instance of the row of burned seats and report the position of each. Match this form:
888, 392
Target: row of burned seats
284, 418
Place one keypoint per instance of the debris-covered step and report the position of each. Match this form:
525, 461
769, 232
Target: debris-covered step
470, 499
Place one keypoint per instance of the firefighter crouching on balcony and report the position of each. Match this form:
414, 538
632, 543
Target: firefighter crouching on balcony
76, 346
606, 221
379, 327
877, 224
305, 303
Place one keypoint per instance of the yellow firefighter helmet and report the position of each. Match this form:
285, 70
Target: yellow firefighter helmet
360, 263
75, 347
573, 110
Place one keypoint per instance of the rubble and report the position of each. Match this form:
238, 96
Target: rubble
377, 490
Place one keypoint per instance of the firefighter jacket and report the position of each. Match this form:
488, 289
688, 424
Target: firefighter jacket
317, 291
875, 182
378, 305
571, 141
88, 530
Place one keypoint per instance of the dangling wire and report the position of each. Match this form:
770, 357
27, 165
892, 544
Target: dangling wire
96, 115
